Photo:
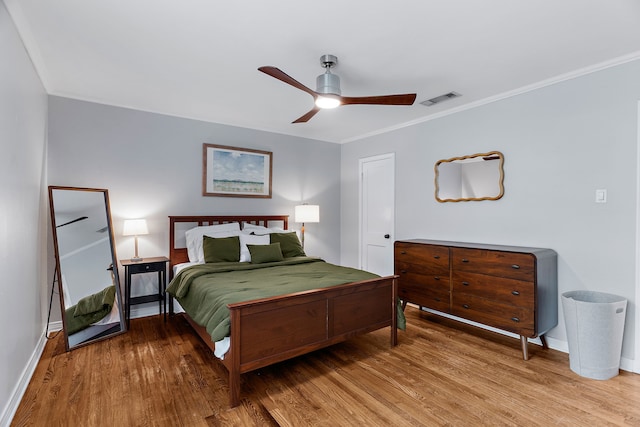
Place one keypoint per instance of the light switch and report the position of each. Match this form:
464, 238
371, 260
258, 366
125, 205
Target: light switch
601, 196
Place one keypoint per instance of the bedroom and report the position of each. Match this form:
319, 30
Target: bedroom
561, 142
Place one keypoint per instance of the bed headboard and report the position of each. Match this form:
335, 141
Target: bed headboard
179, 224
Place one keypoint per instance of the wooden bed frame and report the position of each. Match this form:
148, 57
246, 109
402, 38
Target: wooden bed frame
270, 330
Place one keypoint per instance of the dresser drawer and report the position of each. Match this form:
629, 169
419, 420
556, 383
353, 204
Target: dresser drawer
435, 256
435, 298
497, 314
494, 263
509, 291
425, 269
420, 281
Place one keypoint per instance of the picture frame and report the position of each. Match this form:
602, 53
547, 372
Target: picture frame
236, 172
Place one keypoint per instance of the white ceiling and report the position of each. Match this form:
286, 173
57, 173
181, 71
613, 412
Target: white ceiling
199, 58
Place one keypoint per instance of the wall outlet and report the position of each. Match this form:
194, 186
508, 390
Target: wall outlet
601, 196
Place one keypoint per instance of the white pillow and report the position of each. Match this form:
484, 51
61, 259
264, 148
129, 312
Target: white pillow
249, 228
251, 239
194, 237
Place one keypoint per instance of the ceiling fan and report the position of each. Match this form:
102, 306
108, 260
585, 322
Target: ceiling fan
328, 94
81, 218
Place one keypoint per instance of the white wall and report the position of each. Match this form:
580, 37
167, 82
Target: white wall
23, 113
561, 143
152, 166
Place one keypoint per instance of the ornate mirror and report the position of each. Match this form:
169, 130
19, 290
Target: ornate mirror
474, 177
86, 265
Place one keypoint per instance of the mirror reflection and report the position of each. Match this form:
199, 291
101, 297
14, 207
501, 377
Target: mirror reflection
86, 268
470, 178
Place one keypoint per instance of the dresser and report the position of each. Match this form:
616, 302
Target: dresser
510, 288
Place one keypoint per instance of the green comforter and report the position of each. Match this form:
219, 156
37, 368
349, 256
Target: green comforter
89, 309
204, 290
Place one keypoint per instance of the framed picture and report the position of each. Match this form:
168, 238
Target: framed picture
235, 172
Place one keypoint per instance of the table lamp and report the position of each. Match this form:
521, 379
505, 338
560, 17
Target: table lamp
306, 213
135, 227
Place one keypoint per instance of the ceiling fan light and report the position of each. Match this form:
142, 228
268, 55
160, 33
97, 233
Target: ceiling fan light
327, 102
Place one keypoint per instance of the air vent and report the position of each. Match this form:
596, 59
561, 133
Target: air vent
439, 99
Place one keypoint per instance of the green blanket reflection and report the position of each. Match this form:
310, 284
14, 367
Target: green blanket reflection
89, 309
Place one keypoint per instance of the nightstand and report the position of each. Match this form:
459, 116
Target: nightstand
146, 265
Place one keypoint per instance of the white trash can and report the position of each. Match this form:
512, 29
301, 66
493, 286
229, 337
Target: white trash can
595, 325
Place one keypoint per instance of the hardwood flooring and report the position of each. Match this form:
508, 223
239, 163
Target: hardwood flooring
441, 373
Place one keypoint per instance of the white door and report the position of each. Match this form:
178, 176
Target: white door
377, 208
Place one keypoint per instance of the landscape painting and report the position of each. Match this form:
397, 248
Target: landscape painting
236, 172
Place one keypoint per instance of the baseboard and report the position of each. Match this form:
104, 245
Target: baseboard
21, 387
555, 344
145, 310
55, 326
627, 364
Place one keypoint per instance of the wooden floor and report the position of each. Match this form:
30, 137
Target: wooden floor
441, 373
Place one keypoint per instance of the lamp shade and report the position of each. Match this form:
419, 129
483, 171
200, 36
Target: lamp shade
307, 213
135, 227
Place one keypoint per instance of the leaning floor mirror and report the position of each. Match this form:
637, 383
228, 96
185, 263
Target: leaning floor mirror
86, 265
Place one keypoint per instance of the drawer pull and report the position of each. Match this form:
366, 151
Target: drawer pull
516, 293
515, 319
436, 256
403, 252
436, 278
465, 283
403, 271
465, 305
465, 260
437, 299
515, 266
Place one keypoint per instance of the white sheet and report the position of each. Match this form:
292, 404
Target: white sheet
179, 267
222, 346
113, 316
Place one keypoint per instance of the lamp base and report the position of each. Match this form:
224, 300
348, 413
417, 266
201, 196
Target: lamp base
136, 258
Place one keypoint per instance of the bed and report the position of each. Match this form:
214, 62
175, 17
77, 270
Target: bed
262, 330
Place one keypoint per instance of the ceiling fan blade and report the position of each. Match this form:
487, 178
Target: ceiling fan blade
284, 77
404, 99
82, 218
307, 116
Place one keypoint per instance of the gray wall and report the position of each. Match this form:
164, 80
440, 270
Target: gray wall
561, 143
152, 166
23, 113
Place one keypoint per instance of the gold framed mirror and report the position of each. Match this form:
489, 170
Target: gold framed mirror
470, 178
86, 265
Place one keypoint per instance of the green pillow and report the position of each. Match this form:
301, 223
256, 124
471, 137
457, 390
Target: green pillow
221, 249
265, 253
289, 243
